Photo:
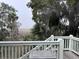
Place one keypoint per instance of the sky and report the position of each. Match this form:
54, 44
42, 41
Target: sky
24, 13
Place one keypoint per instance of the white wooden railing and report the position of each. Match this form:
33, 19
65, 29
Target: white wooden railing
66, 41
71, 43
25, 49
74, 45
22, 49
51, 38
16, 49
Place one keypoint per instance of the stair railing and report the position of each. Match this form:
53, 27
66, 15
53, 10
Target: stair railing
58, 48
71, 43
51, 38
74, 45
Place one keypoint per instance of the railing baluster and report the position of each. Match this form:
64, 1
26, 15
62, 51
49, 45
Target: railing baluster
29, 47
2, 52
15, 52
45, 47
5, 52
73, 44
19, 51
8, 52
42, 47
32, 47
25, 49
76, 45
12, 52
22, 50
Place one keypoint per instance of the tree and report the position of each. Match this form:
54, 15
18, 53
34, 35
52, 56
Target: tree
73, 18
42, 11
55, 16
8, 24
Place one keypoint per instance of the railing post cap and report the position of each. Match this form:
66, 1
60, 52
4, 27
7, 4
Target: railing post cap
70, 35
52, 35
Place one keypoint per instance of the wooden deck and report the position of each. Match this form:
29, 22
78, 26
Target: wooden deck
70, 55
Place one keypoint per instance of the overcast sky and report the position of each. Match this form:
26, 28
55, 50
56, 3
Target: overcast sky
24, 13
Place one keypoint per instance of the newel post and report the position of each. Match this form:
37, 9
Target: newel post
70, 43
52, 37
61, 48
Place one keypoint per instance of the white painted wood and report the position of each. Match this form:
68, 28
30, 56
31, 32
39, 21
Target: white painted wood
9, 52
70, 43
2, 52
18, 43
12, 52
15, 52
29, 48
25, 56
19, 51
25, 49
61, 49
5, 52
42, 54
22, 50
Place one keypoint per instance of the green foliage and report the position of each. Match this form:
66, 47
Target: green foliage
72, 2
39, 7
3, 34
48, 13
29, 38
38, 33
44, 13
8, 20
